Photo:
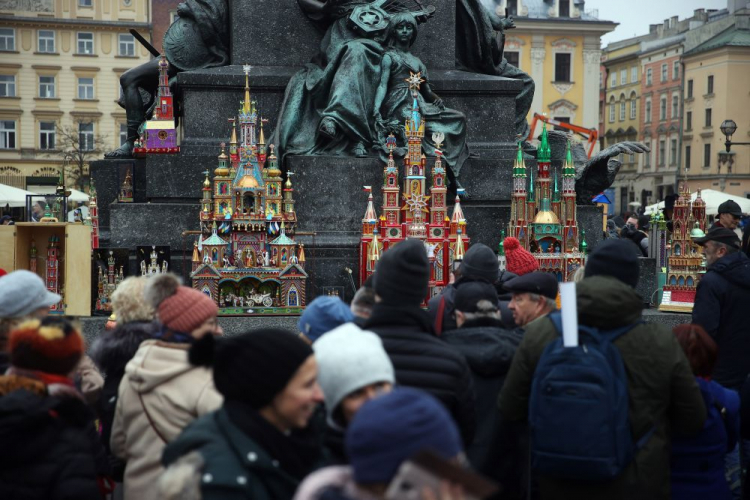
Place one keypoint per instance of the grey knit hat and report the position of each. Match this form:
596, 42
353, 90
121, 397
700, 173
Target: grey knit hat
348, 359
23, 292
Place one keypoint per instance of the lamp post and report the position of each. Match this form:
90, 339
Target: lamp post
728, 128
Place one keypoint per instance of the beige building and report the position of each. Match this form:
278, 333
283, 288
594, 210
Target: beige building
717, 73
60, 64
557, 42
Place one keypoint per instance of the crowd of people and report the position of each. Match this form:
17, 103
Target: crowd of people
361, 399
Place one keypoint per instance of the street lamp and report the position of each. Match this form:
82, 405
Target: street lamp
728, 128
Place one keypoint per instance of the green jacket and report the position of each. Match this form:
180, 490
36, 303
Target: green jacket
662, 390
234, 466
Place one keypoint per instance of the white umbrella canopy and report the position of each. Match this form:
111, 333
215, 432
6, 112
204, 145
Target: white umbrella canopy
13, 196
76, 195
712, 198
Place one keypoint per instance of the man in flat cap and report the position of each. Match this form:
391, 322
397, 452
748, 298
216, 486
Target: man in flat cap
721, 301
730, 214
533, 296
489, 349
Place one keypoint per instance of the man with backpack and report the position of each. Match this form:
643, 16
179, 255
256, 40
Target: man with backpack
642, 373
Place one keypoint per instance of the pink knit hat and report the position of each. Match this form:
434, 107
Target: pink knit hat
179, 308
518, 260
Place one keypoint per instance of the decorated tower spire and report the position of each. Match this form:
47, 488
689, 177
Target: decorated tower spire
544, 153
164, 109
458, 214
568, 215
94, 216
247, 118
518, 216
458, 246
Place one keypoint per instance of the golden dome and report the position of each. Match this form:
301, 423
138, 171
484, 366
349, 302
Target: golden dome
288, 183
248, 181
221, 172
546, 217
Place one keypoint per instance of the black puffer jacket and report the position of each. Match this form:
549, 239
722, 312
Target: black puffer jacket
111, 352
489, 350
425, 362
47, 453
721, 308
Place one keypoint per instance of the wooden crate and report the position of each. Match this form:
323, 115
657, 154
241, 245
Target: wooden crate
75, 255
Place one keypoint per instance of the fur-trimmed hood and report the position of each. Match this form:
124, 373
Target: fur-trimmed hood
111, 351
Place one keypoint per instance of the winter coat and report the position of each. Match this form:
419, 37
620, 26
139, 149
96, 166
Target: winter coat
111, 351
331, 483
232, 465
49, 443
698, 462
489, 350
160, 394
663, 394
721, 308
448, 296
425, 362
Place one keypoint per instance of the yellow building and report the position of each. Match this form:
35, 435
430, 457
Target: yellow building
717, 73
60, 65
558, 45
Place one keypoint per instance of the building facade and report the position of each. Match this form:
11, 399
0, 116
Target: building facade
660, 120
621, 114
558, 44
60, 65
717, 73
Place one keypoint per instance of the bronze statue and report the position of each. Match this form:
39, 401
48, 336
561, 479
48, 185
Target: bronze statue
479, 50
394, 99
328, 106
595, 174
199, 38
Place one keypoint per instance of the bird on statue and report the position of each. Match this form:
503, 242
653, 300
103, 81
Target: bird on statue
595, 174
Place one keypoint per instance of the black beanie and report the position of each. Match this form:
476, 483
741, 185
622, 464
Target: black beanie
615, 258
402, 274
252, 367
480, 262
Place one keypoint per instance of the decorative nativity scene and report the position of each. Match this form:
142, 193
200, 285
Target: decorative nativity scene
367, 95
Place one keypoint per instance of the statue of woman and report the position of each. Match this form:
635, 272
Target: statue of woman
394, 99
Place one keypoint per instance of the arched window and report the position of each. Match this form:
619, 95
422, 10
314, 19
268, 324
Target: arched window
681, 281
622, 107
633, 104
611, 109
689, 281
677, 249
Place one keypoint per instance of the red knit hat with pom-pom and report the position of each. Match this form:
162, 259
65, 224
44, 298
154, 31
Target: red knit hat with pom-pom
518, 260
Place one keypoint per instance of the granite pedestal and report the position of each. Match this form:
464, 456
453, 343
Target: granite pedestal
94, 326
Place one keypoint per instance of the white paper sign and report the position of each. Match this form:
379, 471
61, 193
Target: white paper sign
569, 309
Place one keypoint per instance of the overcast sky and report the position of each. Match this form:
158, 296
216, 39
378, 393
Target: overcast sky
634, 16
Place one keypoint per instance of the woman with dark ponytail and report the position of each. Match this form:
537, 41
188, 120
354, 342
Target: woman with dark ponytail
256, 445
162, 392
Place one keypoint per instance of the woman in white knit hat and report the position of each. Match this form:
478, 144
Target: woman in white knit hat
353, 368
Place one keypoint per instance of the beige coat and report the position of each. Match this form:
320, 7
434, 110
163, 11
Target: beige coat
160, 394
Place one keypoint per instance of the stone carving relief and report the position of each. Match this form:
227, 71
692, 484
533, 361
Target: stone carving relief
538, 55
27, 5
592, 56
564, 44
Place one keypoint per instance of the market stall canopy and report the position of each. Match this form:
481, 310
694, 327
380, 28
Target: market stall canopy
78, 196
712, 198
13, 196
